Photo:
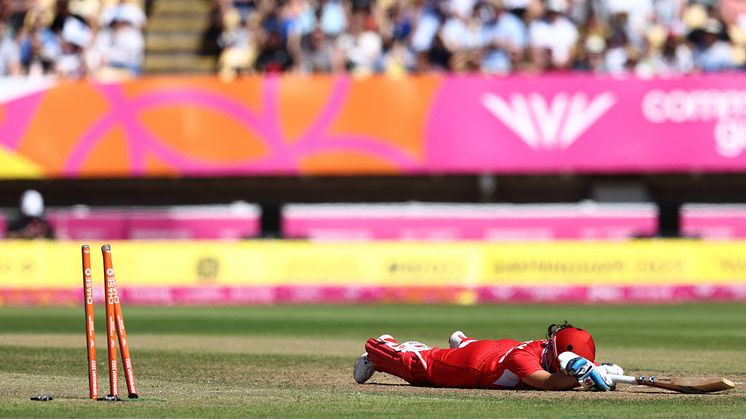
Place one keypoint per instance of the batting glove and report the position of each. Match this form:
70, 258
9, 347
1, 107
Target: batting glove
611, 369
590, 377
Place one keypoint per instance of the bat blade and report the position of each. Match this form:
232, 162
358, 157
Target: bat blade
687, 385
696, 385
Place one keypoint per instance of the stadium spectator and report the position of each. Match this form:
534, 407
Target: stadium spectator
398, 60
58, 37
123, 11
668, 13
238, 42
518, 7
650, 37
78, 38
244, 7
633, 17
14, 13
505, 39
39, 46
733, 12
10, 55
118, 47
362, 45
333, 17
552, 38
667, 55
462, 34
591, 55
319, 54
75, 37
31, 223
426, 26
274, 56
711, 52
619, 52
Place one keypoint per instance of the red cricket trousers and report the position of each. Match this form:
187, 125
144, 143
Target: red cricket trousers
472, 366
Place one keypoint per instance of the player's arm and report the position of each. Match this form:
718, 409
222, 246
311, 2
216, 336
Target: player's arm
543, 380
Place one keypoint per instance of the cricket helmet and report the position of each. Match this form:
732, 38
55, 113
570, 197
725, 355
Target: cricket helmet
566, 337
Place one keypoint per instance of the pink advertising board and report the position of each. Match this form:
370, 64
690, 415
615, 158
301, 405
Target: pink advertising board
89, 225
587, 124
339, 125
714, 221
444, 222
351, 294
185, 223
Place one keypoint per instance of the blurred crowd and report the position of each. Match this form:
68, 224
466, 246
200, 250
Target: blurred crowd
644, 37
80, 38
72, 38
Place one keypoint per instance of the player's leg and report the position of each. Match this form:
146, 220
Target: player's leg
434, 367
406, 361
462, 367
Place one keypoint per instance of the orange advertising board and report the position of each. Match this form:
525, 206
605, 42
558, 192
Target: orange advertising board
170, 126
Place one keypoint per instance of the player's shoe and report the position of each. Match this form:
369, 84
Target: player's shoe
388, 339
364, 369
458, 340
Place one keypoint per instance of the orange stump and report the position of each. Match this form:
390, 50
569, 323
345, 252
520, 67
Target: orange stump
90, 333
111, 340
118, 320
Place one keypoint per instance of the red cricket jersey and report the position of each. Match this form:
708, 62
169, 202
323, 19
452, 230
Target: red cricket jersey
491, 364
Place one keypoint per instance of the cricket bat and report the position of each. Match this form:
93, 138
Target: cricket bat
679, 384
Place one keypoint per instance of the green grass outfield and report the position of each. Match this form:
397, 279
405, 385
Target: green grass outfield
285, 361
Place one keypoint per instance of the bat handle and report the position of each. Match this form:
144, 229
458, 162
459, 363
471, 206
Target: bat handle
624, 379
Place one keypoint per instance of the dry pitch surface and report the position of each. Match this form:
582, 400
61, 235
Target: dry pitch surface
299, 363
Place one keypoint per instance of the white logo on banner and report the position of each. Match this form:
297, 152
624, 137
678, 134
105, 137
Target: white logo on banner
727, 108
549, 126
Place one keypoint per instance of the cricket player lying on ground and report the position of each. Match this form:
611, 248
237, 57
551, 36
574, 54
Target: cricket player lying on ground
562, 361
